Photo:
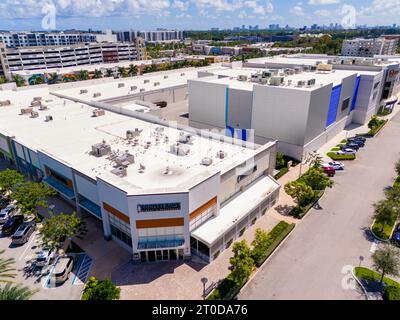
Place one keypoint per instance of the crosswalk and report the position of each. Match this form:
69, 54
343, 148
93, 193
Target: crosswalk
83, 272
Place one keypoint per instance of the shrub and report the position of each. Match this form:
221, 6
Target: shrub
337, 157
281, 173
391, 293
370, 275
300, 212
100, 290
335, 149
280, 160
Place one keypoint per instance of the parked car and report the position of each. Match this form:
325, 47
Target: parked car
357, 138
12, 224
396, 235
23, 233
335, 165
358, 142
45, 257
4, 202
6, 213
346, 151
329, 171
62, 269
161, 104
353, 146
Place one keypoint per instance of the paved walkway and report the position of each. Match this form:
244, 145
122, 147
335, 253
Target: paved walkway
314, 264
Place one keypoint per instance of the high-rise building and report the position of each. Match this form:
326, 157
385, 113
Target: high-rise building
369, 47
150, 36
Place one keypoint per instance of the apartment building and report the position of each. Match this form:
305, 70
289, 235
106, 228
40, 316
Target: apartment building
302, 106
55, 57
369, 47
162, 192
16, 39
150, 36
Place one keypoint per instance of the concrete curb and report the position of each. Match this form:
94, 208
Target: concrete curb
266, 260
359, 283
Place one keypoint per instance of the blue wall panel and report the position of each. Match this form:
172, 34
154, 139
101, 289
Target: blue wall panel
333, 105
353, 102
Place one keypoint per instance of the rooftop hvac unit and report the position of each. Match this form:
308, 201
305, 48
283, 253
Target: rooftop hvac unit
276, 80
156, 84
301, 83
83, 91
221, 154
242, 77
180, 149
96, 94
130, 134
142, 167
206, 161
37, 99
266, 74
100, 149
255, 77
34, 114
142, 90
146, 81
182, 74
324, 67
311, 82
120, 171
185, 137
48, 118
43, 107
121, 85
125, 160
98, 113
26, 110
298, 70
165, 77
133, 88
36, 103
159, 129
5, 103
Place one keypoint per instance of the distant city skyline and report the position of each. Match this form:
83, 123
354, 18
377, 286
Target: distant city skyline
195, 14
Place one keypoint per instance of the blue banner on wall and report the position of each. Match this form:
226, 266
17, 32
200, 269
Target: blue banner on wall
333, 105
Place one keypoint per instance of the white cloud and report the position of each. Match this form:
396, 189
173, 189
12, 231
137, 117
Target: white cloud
181, 5
219, 5
382, 8
259, 7
322, 2
297, 10
322, 13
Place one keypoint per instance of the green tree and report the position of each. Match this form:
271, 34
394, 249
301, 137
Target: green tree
6, 269
241, 264
83, 75
2, 80
123, 72
385, 212
397, 167
393, 195
38, 80
53, 78
260, 244
317, 179
133, 70
15, 292
109, 72
100, 290
31, 195
386, 261
280, 160
20, 82
59, 228
301, 193
97, 74
374, 122
9, 179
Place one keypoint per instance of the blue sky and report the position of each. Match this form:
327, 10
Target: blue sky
193, 14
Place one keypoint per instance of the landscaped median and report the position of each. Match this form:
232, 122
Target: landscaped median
369, 277
338, 157
250, 259
375, 125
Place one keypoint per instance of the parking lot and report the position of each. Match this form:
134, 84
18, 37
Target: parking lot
38, 279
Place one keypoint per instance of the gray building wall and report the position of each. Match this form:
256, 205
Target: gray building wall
240, 105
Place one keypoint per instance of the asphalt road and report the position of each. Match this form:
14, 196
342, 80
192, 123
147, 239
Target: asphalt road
312, 263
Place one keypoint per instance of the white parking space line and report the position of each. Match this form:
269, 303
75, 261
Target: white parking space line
28, 246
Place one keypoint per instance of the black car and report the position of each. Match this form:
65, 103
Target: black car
360, 143
12, 224
353, 146
396, 235
4, 202
357, 138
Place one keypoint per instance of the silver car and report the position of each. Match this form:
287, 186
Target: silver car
6, 213
45, 257
62, 268
23, 233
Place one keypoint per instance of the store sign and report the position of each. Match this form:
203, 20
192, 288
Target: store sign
174, 206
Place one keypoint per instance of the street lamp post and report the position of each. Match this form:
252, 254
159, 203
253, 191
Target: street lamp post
204, 280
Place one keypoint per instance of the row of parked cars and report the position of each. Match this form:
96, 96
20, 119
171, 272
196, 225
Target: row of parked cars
351, 147
12, 224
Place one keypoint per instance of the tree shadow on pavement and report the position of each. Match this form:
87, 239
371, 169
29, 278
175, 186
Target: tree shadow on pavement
283, 209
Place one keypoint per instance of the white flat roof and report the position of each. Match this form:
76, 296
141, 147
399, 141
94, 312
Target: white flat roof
237, 208
289, 60
73, 131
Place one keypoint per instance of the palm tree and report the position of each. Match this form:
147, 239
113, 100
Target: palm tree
109, 72
122, 72
97, 74
83, 75
133, 70
19, 80
384, 212
6, 269
15, 292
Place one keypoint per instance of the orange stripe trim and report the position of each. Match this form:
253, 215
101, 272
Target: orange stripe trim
203, 208
116, 213
159, 223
